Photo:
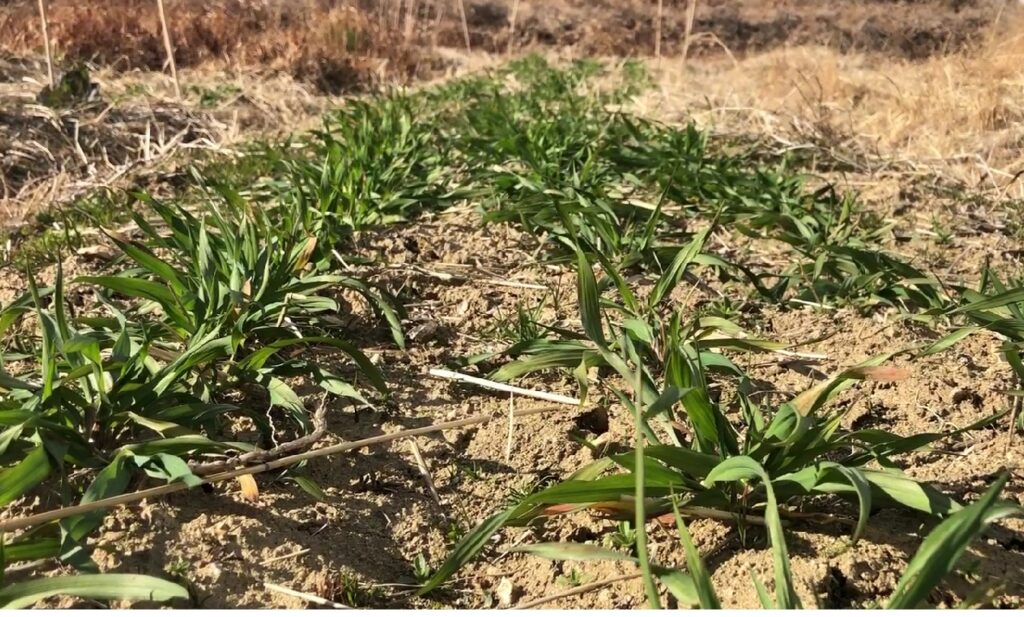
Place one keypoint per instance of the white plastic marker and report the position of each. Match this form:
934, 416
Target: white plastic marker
501, 387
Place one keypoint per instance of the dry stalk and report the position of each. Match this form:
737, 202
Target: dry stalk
308, 597
168, 47
46, 43
575, 591
261, 456
657, 29
410, 20
512, 27
424, 470
511, 427
465, 24
174, 487
298, 553
691, 10
457, 278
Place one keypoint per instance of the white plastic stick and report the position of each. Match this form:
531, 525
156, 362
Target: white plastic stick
501, 387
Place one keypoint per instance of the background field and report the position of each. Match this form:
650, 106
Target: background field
815, 185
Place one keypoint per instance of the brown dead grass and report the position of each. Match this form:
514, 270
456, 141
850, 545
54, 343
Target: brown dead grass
336, 46
962, 113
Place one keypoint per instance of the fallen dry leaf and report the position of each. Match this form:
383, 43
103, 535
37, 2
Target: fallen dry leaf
250, 491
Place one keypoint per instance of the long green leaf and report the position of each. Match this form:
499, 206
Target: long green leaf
94, 586
942, 549
701, 577
745, 468
17, 480
589, 300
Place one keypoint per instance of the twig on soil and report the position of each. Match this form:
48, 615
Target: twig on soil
801, 354
308, 597
260, 456
424, 470
721, 515
174, 487
301, 551
459, 278
822, 518
501, 387
575, 591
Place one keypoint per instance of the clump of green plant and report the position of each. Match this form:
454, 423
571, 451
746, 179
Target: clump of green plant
74, 88
421, 568
205, 326
214, 96
374, 162
544, 148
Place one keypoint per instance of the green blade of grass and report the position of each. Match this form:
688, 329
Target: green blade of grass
468, 548
860, 484
762, 593
589, 300
942, 549
705, 590
640, 515
17, 480
93, 586
745, 468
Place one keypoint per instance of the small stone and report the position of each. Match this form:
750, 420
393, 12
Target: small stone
506, 592
210, 572
424, 332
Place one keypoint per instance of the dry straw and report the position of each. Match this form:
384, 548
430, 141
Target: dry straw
465, 23
512, 26
168, 47
691, 10
657, 29
46, 43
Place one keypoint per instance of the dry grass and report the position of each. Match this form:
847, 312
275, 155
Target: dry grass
329, 43
962, 112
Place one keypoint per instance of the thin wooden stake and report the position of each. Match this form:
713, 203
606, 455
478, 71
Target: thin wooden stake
308, 597
424, 470
465, 23
575, 591
512, 27
168, 47
657, 29
287, 461
298, 553
410, 20
501, 387
511, 426
46, 43
691, 10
